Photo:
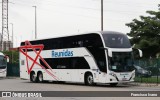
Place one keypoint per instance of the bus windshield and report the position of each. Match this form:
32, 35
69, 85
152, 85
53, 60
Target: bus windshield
3, 62
116, 41
121, 62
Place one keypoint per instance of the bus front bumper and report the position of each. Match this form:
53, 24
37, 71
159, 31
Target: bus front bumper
2, 73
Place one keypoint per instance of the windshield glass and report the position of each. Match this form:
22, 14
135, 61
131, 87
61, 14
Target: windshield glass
3, 62
116, 41
121, 62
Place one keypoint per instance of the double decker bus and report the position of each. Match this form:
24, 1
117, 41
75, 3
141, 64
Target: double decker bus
3, 65
97, 57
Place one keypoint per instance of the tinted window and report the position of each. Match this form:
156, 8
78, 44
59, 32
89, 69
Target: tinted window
99, 56
3, 62
66, 63
93, 40
121, 62
79, 63
116, 41
57, 63
87, 40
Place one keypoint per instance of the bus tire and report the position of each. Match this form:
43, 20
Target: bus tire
33, 77
40, 77
113, 84
89, 79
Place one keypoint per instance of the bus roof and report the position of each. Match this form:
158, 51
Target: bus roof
96, 32
110, 32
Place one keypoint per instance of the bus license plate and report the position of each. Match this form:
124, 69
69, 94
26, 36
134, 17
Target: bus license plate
124, 79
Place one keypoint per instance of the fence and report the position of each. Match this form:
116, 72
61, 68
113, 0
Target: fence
148, 71
13, 69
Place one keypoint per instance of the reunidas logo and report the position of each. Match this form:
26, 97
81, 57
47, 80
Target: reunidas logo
64, 53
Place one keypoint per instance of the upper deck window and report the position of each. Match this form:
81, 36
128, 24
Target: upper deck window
116, 40
84, 40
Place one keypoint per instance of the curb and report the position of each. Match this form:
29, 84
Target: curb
145, 84
10, 77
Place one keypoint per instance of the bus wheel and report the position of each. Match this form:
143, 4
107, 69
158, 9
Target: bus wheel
40, 77
113, 84
89, 79
33, 77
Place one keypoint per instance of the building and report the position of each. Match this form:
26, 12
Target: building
6, 45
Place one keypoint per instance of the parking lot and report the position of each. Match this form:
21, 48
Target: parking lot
17, 84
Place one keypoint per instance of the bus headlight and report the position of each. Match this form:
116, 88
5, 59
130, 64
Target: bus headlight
133, 74
112, 74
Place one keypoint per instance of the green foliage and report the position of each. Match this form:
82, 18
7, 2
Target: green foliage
147, 80
145, 33
13, 56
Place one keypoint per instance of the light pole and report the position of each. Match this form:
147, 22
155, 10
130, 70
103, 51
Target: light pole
35, 21
101, 15
12, 33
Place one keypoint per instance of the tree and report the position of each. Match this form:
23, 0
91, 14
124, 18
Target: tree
13, 56
145, 33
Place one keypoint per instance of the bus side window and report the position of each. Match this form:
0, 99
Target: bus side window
54, 44
79, 63
63, 63
82, 63
75, 44
60, 44
102, 66
80, 43
68, 42
74, 64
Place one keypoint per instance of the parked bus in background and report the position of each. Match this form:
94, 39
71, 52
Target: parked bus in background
97, 57
3, 65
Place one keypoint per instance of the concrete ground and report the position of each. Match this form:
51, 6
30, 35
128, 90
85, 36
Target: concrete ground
17, 84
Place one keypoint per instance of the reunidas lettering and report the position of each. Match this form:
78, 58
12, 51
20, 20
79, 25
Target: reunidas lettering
64, 53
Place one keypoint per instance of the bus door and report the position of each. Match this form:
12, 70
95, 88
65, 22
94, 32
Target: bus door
74, 72
102, 72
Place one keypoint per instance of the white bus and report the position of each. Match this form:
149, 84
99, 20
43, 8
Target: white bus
3, 65
97, 57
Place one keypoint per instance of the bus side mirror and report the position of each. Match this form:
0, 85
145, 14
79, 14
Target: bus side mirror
137, 53
109, 53
7, 58
140, 53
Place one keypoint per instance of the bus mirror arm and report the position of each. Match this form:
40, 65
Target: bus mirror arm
109, 51
139, 51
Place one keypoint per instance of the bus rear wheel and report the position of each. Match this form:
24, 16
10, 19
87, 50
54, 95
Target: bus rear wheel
89, 79
40, 77
33, 77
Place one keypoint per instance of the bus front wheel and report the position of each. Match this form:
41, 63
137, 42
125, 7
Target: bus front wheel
89, 79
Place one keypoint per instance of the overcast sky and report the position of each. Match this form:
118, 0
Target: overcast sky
65, 17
